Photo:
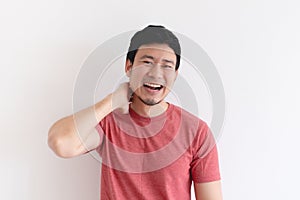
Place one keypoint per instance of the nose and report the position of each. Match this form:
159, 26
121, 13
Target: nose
155, 71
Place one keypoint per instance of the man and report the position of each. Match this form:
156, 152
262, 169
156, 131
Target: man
150, 149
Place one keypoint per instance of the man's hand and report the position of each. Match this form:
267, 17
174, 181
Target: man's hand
122, 97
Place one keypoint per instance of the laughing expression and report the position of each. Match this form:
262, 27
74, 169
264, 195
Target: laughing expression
152, 73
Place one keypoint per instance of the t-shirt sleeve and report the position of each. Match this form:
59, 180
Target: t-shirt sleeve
99, 128
205, 163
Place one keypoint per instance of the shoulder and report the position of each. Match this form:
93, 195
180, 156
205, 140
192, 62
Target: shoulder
187, 117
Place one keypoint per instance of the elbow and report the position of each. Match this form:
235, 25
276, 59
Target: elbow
55, 145
59, 146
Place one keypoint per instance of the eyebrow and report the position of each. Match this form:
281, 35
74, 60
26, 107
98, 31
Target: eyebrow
147, 56
152, 58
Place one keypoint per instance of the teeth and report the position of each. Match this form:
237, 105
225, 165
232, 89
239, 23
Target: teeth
153, 85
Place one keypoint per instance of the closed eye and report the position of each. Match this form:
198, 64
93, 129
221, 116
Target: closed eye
168, 67
147, 62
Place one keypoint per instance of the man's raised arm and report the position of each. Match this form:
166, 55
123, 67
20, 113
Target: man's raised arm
76, 134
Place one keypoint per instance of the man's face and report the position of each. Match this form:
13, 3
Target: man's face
152, 73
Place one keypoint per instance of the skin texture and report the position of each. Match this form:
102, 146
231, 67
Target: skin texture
153, 64
208, 191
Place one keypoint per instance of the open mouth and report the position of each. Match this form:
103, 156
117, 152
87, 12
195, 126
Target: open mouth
153, 86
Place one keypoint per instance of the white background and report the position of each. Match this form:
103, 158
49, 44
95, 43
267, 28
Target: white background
254, 44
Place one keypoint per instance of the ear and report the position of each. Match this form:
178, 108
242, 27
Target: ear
128, 67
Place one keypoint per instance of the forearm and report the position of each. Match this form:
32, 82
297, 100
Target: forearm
85, 121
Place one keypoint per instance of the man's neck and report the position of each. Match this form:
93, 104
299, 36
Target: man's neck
149, 111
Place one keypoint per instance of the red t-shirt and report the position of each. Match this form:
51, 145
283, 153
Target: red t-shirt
155, 158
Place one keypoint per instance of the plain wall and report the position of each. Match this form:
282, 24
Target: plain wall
254, 44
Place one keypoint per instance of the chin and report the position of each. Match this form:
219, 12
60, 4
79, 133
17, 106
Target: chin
150, 102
